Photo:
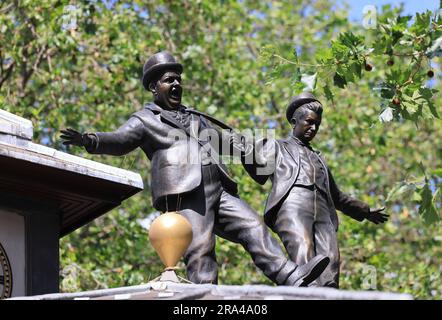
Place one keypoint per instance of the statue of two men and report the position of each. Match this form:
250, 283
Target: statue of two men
300, 207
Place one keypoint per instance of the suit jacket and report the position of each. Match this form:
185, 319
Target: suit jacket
173, 150
281, 159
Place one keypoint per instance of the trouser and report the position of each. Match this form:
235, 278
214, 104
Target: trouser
212, 210
304, 226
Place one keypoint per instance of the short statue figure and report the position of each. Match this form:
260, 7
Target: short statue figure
301, 207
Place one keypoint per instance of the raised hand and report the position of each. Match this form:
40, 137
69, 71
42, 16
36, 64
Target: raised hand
376, 216
74, 137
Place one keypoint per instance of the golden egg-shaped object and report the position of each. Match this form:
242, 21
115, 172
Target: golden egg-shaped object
170, 235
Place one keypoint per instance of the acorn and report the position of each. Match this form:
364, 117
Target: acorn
368, 67
430, 73
396, 101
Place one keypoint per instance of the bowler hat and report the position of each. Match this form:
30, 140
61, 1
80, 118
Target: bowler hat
301, 99
159, 62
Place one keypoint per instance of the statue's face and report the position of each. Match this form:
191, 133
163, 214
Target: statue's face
306, 127
168, 90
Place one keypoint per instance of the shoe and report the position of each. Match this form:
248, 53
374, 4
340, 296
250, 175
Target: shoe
307, 273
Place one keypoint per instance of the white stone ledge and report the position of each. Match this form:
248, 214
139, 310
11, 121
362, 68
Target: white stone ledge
14, 125
222, 292
15, 142
41, 155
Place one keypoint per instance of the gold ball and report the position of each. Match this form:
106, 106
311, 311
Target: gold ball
170, 235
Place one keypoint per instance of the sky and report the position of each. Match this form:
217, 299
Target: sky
410, 8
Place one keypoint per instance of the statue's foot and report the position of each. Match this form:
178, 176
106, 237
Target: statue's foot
306, 273
329, 284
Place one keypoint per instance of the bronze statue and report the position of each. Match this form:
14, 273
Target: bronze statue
301, 205
199, 187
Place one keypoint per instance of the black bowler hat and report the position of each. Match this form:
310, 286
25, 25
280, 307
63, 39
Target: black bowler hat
159, 62
301, 99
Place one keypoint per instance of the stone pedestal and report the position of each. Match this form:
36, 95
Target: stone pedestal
46, 194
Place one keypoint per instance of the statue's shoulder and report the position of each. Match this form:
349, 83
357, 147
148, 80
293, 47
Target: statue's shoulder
288, 143
148, 112
289, 146
151, 108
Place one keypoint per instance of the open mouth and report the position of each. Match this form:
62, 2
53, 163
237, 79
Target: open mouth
175, 93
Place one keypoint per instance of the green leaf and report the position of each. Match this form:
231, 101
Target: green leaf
349, 39
424, 171
266, 53
387, 90
295, 55
298, 87
438, 171
340, 51
339, 80
410, 107
328, 93
324, 55
427, 208
356, 68
421, 24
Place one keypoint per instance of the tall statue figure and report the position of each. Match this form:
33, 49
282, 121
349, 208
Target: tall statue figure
187, 176
302, 202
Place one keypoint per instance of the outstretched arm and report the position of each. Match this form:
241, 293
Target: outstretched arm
260, 159
257, 157
73, 137
355, 208
376, 216
119, 142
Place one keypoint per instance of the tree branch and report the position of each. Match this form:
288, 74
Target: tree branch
273, 103
7, 75
28, 73
252, 50
6, 9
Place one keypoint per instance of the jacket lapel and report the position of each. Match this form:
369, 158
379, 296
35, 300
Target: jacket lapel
289, 145
156, 109
194, 123
153, 107
171, 121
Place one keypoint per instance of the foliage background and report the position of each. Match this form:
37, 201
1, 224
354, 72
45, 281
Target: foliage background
78, 63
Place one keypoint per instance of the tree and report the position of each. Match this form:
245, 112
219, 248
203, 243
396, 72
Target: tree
78, 64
